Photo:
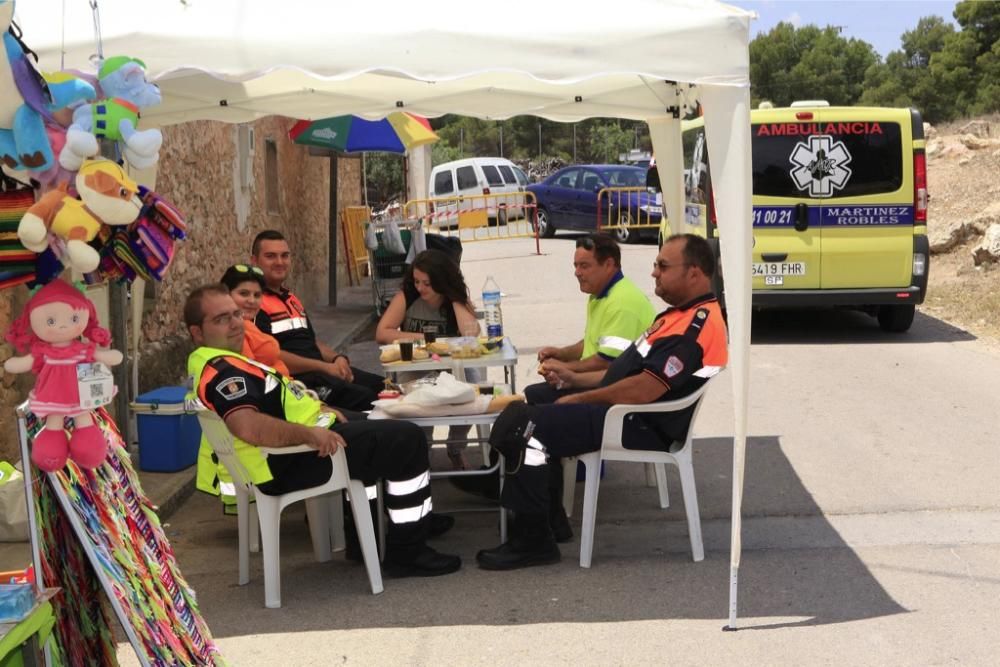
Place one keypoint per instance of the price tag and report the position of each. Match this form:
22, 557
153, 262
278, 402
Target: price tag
95, 384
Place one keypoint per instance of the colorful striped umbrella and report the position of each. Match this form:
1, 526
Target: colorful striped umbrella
397, 133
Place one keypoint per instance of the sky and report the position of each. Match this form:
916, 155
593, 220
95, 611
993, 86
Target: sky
878, 22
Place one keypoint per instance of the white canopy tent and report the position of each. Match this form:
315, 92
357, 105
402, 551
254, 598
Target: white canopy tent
645, 60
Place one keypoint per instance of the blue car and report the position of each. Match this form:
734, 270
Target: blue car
568, 199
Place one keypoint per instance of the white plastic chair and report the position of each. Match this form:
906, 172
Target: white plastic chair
612, 450
323, 508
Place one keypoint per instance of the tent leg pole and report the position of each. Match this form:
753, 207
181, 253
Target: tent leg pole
734, 575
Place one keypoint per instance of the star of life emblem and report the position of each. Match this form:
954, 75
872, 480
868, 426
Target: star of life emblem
820, 165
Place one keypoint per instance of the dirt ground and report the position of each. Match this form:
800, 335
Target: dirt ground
964, 183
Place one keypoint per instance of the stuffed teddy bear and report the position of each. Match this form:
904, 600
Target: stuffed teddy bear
107, 195
49, 330
126, 91
28, 102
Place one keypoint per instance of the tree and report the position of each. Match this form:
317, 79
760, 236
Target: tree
608, 141
790, 63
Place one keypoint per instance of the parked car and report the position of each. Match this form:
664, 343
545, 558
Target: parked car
493, 183
568, 199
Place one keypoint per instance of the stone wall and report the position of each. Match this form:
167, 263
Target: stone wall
199, 172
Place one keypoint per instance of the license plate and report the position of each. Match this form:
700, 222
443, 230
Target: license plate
779, 269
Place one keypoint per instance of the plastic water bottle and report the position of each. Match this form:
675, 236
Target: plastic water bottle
491, 304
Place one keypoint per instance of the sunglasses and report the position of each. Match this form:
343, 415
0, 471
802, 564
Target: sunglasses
246, 268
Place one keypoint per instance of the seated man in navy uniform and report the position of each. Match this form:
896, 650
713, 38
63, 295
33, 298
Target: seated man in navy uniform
263, 408
685, 345
309, 359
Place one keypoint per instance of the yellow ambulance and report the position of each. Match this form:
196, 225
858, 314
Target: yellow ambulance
839, 207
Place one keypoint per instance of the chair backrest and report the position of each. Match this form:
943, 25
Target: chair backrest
614, 420
222, 443
353, 220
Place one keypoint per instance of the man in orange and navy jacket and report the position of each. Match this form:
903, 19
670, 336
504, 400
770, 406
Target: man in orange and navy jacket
685, 345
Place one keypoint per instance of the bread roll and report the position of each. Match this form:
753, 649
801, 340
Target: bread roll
438, 347
389, 355
498, 403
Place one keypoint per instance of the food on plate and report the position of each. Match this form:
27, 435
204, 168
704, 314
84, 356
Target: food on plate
389, 394
465, 348
438, 347
490, 344
498, 403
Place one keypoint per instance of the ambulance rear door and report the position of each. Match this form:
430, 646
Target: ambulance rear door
788, 241
867, 218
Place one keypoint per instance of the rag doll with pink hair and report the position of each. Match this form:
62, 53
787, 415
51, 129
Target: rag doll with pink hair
49, 330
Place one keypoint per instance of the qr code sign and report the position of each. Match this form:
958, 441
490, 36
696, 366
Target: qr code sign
96, 391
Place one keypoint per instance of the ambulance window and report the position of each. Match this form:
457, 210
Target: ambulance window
443, 184
839, 160
492, 175
466, 178
508, 175
522, 178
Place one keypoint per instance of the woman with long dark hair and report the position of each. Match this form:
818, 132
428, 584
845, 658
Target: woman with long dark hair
433, 294
434, 297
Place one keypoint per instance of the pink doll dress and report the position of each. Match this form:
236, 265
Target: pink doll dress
56, 390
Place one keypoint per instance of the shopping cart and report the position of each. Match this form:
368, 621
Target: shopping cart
388, 266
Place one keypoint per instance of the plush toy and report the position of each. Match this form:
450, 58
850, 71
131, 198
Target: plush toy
126, 92
107, 195
49, 330
27, 102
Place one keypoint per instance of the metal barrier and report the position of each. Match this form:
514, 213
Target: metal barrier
624, 211
473, 218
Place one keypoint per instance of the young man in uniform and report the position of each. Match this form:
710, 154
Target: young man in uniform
262, 408
684, 346
309, 359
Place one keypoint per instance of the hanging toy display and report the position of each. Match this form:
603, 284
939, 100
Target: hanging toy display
126, 91
107, 196
72, 376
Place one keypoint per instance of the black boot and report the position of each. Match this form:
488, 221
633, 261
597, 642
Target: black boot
424, 562
533, 544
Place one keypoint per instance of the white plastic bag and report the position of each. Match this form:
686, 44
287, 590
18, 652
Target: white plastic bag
446, 390
392, 240
418, 243
371, 237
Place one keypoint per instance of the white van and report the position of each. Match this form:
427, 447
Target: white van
493, 183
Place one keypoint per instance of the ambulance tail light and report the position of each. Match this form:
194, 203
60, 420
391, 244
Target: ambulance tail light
920, 196
919, 263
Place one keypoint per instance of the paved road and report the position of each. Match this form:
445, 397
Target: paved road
872, 532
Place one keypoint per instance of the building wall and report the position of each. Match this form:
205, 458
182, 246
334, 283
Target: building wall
199, 172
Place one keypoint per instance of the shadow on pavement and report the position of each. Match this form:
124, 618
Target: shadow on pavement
828, 325
642, 568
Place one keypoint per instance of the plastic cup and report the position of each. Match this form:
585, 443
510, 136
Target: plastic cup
430, 334
406, 350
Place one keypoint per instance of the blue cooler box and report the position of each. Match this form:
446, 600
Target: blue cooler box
168, 436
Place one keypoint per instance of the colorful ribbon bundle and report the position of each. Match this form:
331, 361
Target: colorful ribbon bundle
135, 557
17, 264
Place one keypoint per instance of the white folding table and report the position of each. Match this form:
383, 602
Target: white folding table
482, 421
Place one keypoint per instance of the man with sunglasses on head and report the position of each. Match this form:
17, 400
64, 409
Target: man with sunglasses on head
685, 345
310, 360
262, 408
617, 313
